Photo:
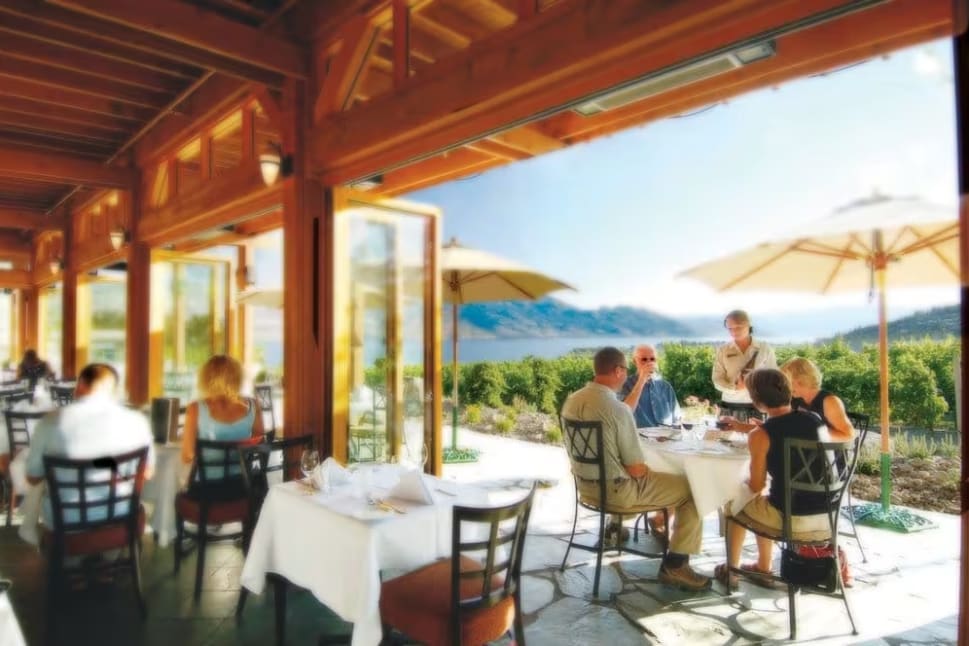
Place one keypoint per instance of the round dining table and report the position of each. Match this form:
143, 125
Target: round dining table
715, 470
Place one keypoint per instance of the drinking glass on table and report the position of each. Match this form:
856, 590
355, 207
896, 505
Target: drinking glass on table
308, 462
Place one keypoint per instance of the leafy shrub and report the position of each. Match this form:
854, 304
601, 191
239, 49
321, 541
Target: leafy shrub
546, 384
472, 414
911, 447
505, 425
509, 412
689, 368
869, 461
519, 381
913, 391
485, 384
554, 435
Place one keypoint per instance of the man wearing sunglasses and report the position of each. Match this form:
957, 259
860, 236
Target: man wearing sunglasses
651, 398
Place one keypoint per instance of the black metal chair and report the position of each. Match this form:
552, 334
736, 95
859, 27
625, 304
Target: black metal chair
96, 507
469, 597
264, 399
19, 427
861, 422
258, 463
9, 399
810, 470
61, 395
217, 495
583, 440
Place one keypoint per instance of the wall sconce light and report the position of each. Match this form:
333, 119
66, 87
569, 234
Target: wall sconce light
56, 265
274, 163
119, 236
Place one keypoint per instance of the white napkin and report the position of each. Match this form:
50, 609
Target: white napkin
330, 474
412, 487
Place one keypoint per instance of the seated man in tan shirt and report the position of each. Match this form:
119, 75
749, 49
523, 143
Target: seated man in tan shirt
630, 482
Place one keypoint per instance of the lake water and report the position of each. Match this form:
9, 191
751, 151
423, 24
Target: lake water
471, 350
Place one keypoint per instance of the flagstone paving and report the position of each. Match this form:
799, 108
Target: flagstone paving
907, 593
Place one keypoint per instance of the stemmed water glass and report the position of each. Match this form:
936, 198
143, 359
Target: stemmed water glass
308, 462
418, 455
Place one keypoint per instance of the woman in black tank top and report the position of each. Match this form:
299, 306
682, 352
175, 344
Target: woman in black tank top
809, 396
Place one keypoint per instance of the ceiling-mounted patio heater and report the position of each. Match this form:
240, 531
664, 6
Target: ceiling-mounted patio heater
677, 77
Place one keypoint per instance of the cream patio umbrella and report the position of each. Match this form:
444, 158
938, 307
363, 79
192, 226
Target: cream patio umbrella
901, 241
474, 276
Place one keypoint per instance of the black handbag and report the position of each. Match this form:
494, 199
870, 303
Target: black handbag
817, 571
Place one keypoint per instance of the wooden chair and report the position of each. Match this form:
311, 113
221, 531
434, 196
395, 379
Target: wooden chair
810, 469
583, 440
61, 395
96, 507
264, 399
217, 495
861, 423
19, 426
474, 596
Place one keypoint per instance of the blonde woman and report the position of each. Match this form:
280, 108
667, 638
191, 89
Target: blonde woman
222, 414
808, 395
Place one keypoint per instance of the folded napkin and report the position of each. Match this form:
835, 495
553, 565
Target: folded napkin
412, 487
330, 474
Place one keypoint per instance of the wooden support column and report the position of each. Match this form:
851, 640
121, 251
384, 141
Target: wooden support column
304, 331
69, 286
961, 65
138, 323
82, 333
29, 319
243, 320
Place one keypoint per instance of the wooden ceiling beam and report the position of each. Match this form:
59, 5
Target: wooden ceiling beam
48, 167
80, 82
51, 144
562, 55
432, 170
496, 149
29, 219
528, 139
345, 67
199, 28
458, 23
38, 51
138, 41
62, 113
16, 279
73, 100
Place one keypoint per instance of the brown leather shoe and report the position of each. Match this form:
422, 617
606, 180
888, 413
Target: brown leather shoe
684, 577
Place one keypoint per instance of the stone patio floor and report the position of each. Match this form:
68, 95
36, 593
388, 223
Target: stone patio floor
907, 592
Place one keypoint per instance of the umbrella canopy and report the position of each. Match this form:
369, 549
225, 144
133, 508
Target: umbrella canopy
865, 244
474, 276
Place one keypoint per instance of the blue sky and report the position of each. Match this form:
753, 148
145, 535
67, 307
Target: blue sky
619, 217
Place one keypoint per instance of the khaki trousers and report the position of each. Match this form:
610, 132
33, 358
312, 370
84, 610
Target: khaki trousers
626, 495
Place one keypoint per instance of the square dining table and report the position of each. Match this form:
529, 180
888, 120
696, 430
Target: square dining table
337, 544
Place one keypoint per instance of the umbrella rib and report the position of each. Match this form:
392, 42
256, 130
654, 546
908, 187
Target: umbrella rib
744, 276
945, 261
837, 268
529, 296
936, 238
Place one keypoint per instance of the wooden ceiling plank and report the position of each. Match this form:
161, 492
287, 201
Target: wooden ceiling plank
62, 113
27, 164
449, 18
139, 41
199, 28
29, 219
528, 139
45, 53
19, 140
79, 82
493, 14
497, 149
401, 31
560, 56
45, 125
78, 41
453, 39
36, 91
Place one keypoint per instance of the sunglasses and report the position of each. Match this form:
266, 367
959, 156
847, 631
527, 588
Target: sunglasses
646, 359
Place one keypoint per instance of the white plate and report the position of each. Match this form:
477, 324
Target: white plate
656, 431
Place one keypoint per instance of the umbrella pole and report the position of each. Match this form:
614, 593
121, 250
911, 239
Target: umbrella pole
886, 457
454, 376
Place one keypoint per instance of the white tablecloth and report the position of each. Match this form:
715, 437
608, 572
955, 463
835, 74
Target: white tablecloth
335, 545
715, 472
10, 634
160, 491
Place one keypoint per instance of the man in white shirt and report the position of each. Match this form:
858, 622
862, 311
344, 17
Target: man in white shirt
94, 425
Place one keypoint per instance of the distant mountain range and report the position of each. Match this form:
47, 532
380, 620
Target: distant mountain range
938, 322
553, 318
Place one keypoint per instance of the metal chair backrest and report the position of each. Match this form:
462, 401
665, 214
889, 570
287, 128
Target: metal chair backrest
491, 564
62, 395
860, 421
264, 399
11, 398
218, 467
87, 494
284, 448
811, 473
583, 441
20, 424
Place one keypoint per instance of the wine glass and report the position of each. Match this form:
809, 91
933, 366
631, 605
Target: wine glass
418, 455
308, 462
